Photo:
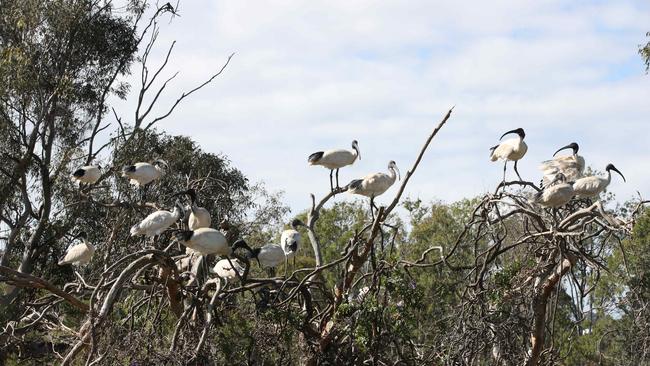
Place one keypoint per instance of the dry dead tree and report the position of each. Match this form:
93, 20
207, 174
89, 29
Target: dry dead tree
521, 257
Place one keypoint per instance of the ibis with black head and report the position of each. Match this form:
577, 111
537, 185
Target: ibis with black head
88, 174
571, 166
335, 159
593, 186
373, 185
556, 194
512, 149
199, 216
80, 253
157, 222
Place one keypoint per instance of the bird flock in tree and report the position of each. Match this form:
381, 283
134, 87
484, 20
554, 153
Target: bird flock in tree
563, 180
563, 176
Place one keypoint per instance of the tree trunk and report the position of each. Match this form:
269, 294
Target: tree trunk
539, 307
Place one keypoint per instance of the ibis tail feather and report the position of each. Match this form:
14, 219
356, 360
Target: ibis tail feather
315, 157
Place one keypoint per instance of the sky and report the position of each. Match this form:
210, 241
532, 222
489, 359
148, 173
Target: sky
314, 75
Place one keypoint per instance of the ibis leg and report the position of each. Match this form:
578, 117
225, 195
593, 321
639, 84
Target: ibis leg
337, 178
204, 264
286, 264
504, 170
237, 274
145, 190
154, 239
516, 171
555, 211
373, 207
331, 184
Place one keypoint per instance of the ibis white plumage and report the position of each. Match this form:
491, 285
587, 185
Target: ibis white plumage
373, 185
290, 239
88, 174
141, 174
208, 241
592, 186
157, 222
224, 270
558, 193
269, 255
571, 166
199, 216
80, 253
335, 159
510, 150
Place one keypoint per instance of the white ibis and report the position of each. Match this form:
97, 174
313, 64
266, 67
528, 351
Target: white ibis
224, 270
80, 253
571, 166
373, 185
335, 159
592, 186
510, 150
290, 239
199, 216
557, 193
141, 174
88, 174
157, 222
208, 241
269, 256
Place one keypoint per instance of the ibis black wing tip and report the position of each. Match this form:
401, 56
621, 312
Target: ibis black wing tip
79, 173
315, 157
355, 184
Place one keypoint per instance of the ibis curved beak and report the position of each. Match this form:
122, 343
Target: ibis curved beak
180, 207
297, 222
242, 244
619, 173
399, 175
562, 148
190, 192
573, 146
509, 132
